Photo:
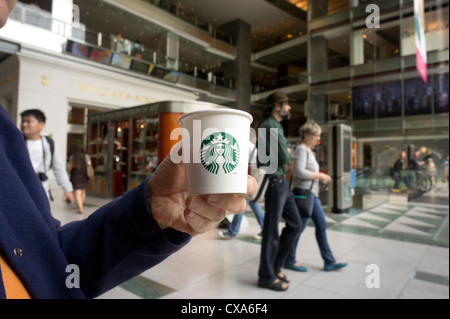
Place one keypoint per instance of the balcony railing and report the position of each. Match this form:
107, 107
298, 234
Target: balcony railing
104, 48
193, 19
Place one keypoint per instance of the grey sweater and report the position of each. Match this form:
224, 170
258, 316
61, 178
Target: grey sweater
304, 163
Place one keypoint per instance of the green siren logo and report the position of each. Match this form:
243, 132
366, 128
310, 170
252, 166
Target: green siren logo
220, 151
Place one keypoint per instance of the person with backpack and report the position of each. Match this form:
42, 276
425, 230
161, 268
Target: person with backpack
44, 154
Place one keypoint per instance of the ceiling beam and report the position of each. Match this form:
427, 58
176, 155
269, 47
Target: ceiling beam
279, 47
289, 8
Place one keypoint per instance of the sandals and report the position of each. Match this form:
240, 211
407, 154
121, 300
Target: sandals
277, 285
283, 278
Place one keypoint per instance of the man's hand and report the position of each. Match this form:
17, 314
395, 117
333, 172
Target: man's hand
167, 193
68, 196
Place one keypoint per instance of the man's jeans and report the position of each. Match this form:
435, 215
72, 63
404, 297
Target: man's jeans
279, 202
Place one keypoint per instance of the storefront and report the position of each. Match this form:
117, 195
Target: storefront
127, 145
68, 89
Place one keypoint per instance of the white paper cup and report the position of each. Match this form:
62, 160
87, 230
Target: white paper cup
215, 150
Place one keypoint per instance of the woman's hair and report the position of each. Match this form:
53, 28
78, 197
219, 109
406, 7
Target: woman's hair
309, 127
78, 156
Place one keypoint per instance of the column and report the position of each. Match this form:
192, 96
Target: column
318, 108
169, 46
318, 8
63, 13
318, 54
239, 70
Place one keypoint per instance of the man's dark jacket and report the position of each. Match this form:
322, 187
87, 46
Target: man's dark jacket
117, 242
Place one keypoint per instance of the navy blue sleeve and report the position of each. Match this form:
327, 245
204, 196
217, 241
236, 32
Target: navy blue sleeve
114, 244
117, 242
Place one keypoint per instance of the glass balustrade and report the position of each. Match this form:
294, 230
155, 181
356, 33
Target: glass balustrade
413, 182
115, 50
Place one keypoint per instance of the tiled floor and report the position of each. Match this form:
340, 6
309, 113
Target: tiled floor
402, 246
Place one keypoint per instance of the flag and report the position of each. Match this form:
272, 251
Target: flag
421, 48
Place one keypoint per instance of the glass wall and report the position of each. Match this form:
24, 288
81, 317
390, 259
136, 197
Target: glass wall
367, 77
436, 32
372, 45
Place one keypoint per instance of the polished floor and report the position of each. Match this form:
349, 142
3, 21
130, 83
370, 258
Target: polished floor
396, 250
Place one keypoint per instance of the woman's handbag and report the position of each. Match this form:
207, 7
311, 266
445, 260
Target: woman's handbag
89, 168
304, 201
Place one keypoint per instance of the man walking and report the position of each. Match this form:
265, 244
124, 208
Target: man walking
44, 154
279, 200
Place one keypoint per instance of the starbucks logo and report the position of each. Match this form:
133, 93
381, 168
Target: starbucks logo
220, 153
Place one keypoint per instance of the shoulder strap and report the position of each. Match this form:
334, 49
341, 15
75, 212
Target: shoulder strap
52, 148
261, 188
252, 154
292, 175
307, 158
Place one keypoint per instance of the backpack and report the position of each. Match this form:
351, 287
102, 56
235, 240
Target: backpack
52, 148
51, 142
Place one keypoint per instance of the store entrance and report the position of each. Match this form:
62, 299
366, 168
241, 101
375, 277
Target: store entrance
77, 126
72, 140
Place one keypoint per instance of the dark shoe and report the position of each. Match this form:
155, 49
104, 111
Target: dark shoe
335, 266
296, 268
277, 285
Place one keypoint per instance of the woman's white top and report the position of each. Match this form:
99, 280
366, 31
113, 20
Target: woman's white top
304, 163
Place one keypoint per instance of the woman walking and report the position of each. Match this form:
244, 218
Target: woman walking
78, 162
305, 172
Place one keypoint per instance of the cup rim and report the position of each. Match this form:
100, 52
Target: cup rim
216, 110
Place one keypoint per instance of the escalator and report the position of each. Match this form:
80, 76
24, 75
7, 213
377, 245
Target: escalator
405, 185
